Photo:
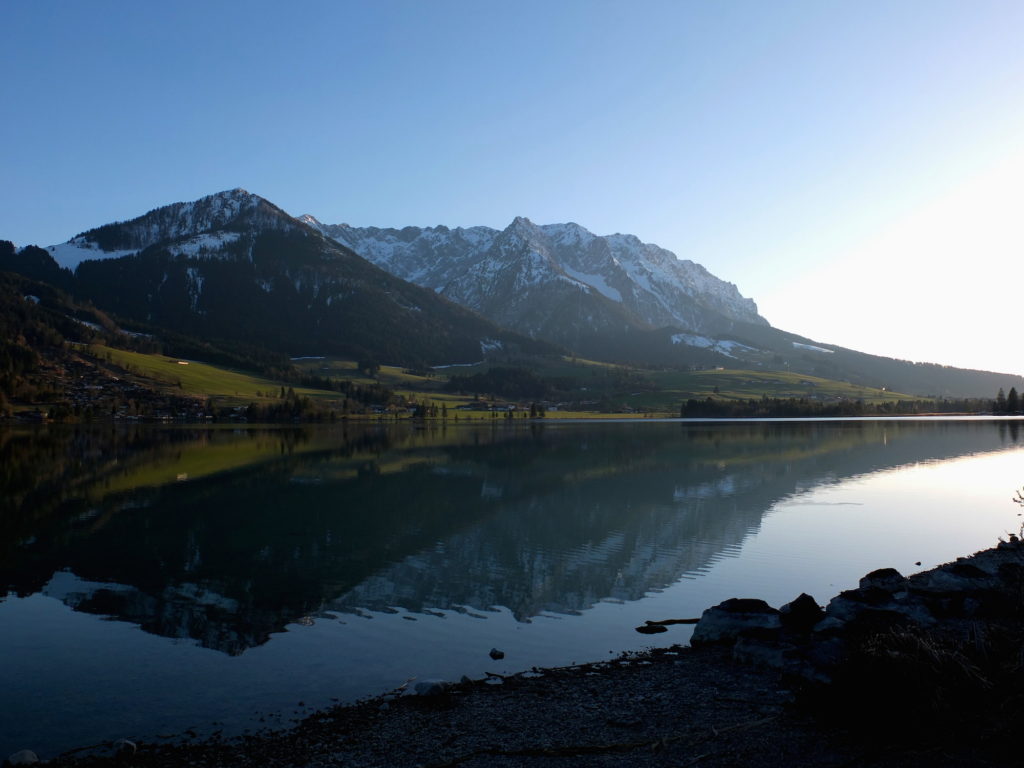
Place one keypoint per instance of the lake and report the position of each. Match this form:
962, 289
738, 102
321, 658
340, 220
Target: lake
160, 579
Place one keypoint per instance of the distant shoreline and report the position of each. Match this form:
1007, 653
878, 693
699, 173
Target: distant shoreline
23, 418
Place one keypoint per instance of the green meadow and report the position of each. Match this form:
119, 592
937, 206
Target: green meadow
626, 389
674, 387
198, 379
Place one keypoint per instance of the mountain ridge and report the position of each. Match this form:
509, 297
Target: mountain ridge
617, 299
491, 271
233, 267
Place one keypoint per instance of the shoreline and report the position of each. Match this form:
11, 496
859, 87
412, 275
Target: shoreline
742, 696
666, 706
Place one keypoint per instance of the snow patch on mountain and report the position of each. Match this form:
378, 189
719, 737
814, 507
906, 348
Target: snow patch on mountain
72, 253
198, 228
812, 348
597, 282
724, 347
207, 244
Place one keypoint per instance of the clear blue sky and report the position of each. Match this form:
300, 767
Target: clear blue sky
854, 167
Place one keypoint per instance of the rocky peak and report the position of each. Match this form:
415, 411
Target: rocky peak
490, 271
524, 228
523, 232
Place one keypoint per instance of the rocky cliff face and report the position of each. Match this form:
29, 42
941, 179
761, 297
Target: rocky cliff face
557, 280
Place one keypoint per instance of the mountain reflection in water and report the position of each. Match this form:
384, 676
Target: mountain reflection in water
225, 536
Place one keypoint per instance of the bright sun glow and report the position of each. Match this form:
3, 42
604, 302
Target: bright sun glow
915, 288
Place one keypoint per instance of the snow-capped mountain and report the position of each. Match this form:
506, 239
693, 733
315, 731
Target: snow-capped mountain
234, 266
193, 228
610, 297
246, 278
527, 275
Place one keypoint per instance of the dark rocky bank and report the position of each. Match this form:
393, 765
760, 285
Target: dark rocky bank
902, 671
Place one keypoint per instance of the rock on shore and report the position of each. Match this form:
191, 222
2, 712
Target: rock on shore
813, 643
934, 658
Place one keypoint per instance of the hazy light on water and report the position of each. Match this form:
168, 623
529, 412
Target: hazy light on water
825, 538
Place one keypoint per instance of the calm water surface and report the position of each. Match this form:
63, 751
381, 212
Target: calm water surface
158, 580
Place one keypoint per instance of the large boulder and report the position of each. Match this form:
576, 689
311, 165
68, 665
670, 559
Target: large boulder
801, 614
735, 617
821, 646
877, 608
888, 579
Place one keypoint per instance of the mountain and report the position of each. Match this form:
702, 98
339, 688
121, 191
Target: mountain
557, 281
249, 280
233, 266
618, 299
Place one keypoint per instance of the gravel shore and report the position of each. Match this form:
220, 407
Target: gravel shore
669, 707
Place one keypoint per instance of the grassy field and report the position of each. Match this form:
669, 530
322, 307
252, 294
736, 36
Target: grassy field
677, 386
658, 392
201, 379
390, 376
624, 388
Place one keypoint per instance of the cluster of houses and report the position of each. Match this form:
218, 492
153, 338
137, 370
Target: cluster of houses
90, 392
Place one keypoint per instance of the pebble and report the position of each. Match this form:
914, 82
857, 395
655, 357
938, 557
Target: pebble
496, 654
